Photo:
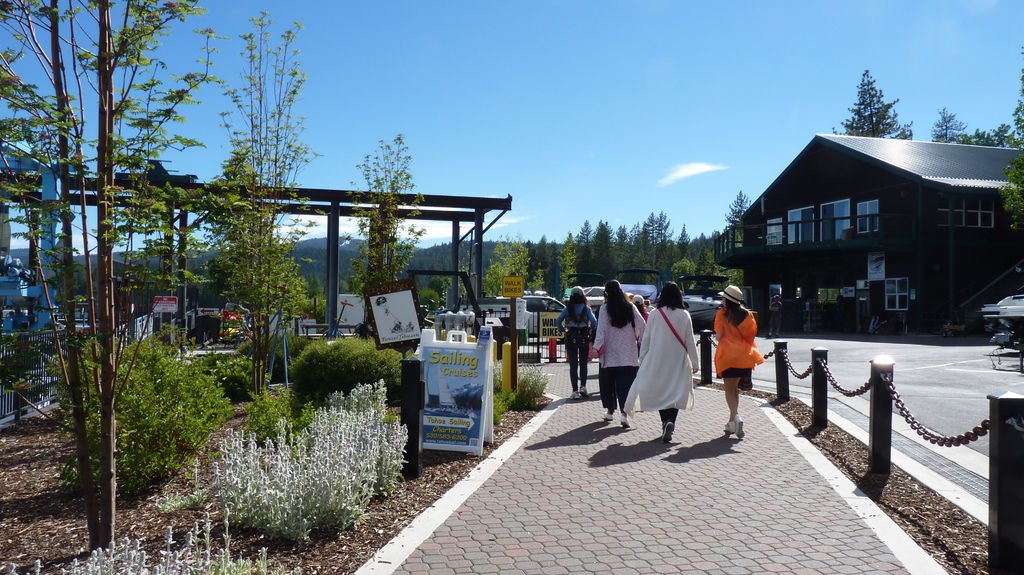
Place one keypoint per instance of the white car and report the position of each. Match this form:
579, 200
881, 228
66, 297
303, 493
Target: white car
498, 308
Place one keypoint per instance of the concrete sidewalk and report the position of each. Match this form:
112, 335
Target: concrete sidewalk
584, 496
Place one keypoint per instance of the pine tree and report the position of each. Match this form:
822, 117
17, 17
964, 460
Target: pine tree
947, 128
872, 116
1013, 192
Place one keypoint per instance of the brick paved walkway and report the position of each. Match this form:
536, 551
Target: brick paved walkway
585, 496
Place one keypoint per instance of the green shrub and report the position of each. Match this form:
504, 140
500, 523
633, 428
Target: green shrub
529, 389
500, 405
166, 410
340, 365
232, 371
270, 407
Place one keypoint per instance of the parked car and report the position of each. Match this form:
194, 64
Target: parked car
499, 308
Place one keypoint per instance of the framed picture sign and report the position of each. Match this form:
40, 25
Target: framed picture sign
392, 313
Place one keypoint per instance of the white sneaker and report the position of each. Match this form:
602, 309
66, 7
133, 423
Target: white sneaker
730, 428
583, 392
608, 416
624, 421
739, 428
575, 395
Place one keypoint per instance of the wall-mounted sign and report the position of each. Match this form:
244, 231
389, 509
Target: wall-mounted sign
876, 266
165, 304
549, 325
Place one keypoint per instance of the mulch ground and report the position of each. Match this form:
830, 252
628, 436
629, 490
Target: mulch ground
40, 521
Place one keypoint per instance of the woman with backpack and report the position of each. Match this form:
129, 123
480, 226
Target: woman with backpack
576, 322
620, 327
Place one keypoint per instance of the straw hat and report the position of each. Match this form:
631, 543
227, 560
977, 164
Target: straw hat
733, 294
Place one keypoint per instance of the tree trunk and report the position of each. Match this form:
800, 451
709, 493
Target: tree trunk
105, 275
72, 366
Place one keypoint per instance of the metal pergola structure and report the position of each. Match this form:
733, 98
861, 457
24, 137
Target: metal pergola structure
335, 204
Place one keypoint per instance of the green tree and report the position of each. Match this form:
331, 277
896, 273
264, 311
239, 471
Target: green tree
1000, 137
947, 128
113, 66
567, 261
606, 264
390, 241
872, 116
254, 239
511, 257
739, 206
1013, 192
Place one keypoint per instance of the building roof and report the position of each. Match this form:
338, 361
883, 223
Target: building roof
947, 165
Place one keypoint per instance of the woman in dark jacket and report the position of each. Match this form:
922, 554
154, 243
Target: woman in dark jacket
576, 322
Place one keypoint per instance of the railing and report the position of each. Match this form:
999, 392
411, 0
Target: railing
815, 234
1005, 424
29, 357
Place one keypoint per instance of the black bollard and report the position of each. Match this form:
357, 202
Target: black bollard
1006, 483
880, 416
705, 357
819, 387
781, 370
412, 416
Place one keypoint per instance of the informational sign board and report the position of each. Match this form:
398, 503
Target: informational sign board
513, 286
548, 325
458, 413
393, 318
350, 310
165, 304
210, 311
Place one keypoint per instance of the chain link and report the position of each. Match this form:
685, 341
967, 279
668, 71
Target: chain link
832, 380
796, 374
769, 355
964, 438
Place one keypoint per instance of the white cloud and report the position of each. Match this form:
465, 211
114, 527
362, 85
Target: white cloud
434, 232
683, 171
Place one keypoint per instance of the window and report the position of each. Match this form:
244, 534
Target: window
867, 216
773, 237
801, 225
972, 213
835, 218
896, 294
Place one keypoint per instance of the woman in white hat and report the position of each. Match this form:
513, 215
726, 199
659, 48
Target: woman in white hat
736, 354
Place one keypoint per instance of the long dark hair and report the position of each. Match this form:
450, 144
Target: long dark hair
620, 311
671, 296
575, 298
734, 312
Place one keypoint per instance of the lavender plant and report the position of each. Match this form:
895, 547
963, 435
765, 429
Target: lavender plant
321, 477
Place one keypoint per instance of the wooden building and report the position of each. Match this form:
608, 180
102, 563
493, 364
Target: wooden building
912, 233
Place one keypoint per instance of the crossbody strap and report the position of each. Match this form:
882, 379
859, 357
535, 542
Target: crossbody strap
674, 332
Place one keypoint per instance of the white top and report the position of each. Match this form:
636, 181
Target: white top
665, 377
617, 345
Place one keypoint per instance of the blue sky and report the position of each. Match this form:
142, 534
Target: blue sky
585, 109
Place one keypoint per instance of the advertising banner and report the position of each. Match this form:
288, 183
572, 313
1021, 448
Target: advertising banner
548, 325
458, 411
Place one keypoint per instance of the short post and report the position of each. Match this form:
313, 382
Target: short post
412, 416
1006, 483
819, 387
705, 357
781, 370
880, 416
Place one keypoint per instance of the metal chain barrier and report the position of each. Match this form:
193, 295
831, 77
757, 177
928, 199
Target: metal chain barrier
796, 374
769, 355
980, 430
847, 392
